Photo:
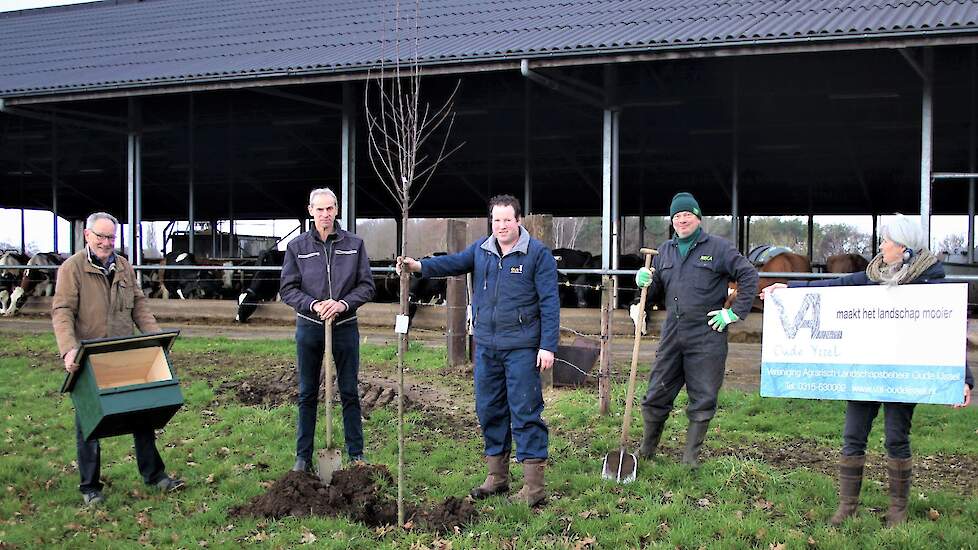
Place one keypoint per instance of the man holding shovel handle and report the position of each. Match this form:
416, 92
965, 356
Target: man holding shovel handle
691, 272
325, 278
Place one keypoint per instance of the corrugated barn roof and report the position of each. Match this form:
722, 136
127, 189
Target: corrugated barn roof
153, 42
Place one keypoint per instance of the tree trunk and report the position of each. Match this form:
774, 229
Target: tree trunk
402, 346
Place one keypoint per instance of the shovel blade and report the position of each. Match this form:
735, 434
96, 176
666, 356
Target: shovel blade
328, 461
619, 466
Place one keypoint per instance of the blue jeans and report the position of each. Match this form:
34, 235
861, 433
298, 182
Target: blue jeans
310, 343
509, 402
90, 459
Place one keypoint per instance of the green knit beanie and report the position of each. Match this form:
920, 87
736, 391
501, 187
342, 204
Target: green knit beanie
684, 202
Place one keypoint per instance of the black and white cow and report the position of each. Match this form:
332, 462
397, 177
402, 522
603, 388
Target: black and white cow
427, 291
574, 290
189, 283
263, 286
387, 283
36, 282
10, 278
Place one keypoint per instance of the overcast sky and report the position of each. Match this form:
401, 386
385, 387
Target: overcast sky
11, 5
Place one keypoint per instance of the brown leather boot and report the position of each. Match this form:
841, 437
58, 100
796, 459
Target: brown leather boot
900, 471
533, 491
850, 483
651, 434
497, 481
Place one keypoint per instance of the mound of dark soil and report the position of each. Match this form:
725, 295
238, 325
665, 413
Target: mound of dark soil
357, 492
280, 387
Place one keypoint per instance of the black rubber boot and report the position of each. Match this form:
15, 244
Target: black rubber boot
651, 434
695, 434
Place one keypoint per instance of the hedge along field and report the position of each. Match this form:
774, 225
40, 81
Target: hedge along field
767, 479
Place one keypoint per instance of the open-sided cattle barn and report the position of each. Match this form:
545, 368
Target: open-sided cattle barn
201, 110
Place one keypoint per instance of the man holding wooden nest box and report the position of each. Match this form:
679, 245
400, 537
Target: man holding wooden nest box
98, 295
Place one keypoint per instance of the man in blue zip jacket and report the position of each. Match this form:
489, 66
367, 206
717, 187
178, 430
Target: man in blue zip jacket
516, 318
326, 277
692, 271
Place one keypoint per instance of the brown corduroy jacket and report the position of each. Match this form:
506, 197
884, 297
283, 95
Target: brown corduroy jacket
86, 306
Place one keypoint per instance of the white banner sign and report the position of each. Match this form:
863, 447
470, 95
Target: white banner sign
866, 343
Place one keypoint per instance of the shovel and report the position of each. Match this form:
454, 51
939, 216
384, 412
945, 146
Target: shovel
328, 458
620, 465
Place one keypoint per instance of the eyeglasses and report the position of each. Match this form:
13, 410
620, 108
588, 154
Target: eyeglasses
101, 237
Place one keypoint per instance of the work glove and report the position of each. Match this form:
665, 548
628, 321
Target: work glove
720, 318
644, 277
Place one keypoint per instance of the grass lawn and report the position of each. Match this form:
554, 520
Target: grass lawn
760, 486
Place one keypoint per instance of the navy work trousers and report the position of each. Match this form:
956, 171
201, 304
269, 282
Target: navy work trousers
90, 459
859, 421
691, 354
509, 402
310, 342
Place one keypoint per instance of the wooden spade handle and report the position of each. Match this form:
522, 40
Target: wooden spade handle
328, 380
627, 420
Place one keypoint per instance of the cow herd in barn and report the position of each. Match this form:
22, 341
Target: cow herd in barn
16, 285
575, 290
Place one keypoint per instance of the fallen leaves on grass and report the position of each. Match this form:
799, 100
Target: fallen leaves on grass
307, 536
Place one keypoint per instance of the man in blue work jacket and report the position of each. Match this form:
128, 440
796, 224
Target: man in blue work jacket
326, 277
691, 273
516, 318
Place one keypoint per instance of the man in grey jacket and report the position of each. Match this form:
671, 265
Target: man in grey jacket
326, 277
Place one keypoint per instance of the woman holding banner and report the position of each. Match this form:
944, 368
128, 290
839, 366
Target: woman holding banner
903, 259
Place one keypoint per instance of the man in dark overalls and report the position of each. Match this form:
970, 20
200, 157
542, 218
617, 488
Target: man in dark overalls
691, 273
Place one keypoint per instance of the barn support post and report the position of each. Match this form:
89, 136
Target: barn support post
215, 234
348, 162
811, 237
54, 180
77, 235
972, 146
456, 296
746, 235
604, 361
735, 221
609, 236
191, 173
874, 245
232, 176
926, 141
134, 180
23, 233
527, 169
641, 212
399, 230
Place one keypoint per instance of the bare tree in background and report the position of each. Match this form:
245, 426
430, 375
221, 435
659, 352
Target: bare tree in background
402, 136
952, 244
566, 231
